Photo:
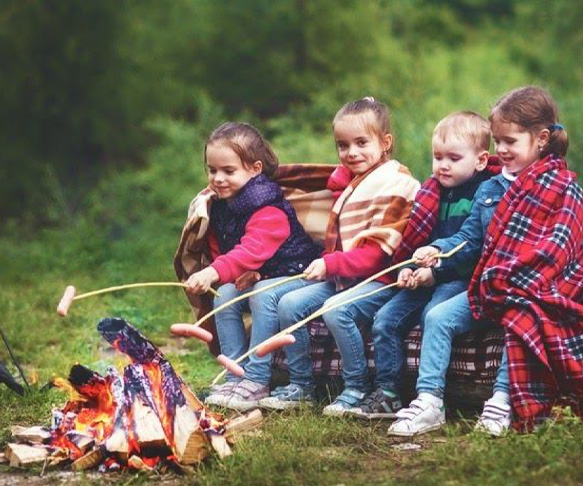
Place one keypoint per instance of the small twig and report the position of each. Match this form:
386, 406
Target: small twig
332, 303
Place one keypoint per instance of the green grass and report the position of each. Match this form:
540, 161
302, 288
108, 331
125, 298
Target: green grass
128, 232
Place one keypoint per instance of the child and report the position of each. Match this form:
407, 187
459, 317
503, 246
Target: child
460, 155
252, 229
527, 279
375, 195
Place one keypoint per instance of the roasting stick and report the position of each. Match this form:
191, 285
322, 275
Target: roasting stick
69, 295
190, 329
270, 344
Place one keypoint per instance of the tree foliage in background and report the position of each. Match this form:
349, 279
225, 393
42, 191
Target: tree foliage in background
82, 81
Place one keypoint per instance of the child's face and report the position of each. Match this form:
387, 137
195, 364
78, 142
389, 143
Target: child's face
456, 161
226, 172
516, 148
358, 149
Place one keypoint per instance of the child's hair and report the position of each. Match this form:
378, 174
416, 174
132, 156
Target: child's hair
465, 125
247, 142
375, 116
533, 109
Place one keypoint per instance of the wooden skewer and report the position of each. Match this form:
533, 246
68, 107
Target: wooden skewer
69, 295
246, 295
333, 303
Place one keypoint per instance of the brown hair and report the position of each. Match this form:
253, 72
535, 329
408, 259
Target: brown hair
533, 109
247, 142
467, 125
375, 116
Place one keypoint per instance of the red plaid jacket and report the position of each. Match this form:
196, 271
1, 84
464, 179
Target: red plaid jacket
530, 280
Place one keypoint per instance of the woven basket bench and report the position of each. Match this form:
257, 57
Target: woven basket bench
475, 360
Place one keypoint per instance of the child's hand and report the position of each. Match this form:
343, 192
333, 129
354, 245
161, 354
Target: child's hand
316, 270
423, 277
405, 279
200, 282
247, 279
425, 256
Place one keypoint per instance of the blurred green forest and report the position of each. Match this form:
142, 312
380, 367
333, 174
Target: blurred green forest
104, 104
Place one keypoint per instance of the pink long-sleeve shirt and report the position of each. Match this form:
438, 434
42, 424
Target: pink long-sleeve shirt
265, 232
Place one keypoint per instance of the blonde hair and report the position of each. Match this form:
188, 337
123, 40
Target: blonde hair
247, 142
374, 115
533, 109
465, 125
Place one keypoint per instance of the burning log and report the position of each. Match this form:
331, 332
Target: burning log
90, 460
35, 434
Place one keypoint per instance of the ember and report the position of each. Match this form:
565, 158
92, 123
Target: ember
145, 418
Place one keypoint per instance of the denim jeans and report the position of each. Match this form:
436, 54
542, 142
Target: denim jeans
264, 315
394, 321
343, 324
442, 324
293, 307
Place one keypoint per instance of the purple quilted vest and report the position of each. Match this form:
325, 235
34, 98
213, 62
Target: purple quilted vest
229, 217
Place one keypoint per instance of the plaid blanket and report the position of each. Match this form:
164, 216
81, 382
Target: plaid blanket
374, 206
303, 185
424, 214
529, 279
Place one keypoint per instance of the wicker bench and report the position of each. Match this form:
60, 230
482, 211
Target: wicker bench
472, 371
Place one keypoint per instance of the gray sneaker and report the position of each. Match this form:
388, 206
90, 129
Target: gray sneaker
290, 396
379, 404
220, 394
346, 403
246, 395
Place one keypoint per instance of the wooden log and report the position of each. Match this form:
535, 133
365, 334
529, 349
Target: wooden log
82, 441
242, 424
135, 462
190, 442
20, 454
149, 431
220, 445
117, 443
36, 434
90, 460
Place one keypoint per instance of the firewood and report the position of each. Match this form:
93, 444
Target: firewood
191, 398
136, 462
91, 459
190, 442
149, 431
20, 454
82, 441
34, 434
240, 425
117, 443
220, 444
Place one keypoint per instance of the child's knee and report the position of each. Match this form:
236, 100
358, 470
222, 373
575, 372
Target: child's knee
227, 292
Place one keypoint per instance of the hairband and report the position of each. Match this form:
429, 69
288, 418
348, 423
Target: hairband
556, 126
368, 98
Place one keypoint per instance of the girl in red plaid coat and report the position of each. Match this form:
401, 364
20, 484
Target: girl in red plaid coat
527, 280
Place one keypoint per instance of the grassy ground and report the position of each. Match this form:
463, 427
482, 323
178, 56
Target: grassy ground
128, 232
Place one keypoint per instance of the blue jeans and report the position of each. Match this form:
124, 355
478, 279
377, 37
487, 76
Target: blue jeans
393, 322
342, 322
264, 314
442, 324
293, 307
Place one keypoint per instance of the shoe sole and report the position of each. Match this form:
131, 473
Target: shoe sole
241, 406
281, 405
339, 413
425, 430
373, 416
217, 402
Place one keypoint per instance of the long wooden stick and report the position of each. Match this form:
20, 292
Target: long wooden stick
333, 303
70, 293
135, 285
246, 295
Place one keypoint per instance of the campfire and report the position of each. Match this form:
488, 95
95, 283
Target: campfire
144, 418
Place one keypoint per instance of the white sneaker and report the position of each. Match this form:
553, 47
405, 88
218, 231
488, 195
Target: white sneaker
495, 418
421, 417
220, 394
